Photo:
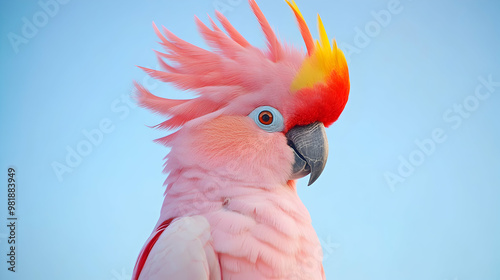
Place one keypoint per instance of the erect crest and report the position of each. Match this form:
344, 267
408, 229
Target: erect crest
236, 75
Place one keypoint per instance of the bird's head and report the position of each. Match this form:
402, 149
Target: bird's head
259, 115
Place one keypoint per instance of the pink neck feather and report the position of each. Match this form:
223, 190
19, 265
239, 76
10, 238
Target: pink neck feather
257, 232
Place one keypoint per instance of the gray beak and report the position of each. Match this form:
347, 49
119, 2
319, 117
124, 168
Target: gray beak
310, 147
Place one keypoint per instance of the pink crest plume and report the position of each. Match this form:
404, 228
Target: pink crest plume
305, 87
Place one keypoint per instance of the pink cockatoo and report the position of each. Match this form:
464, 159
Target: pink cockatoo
231, 209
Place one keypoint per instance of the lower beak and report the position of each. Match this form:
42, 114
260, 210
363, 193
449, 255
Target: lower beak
310, 147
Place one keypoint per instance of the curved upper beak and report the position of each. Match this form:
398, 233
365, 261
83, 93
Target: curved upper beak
310, 147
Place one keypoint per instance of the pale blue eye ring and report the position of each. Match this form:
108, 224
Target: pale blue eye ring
268, 118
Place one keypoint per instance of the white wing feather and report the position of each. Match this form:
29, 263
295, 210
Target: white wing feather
183, 252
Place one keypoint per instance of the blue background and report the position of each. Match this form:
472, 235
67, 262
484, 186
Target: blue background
440, 221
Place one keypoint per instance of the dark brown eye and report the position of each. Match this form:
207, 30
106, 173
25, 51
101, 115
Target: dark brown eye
266, 117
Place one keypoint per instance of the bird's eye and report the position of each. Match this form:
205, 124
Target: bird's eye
268, 118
